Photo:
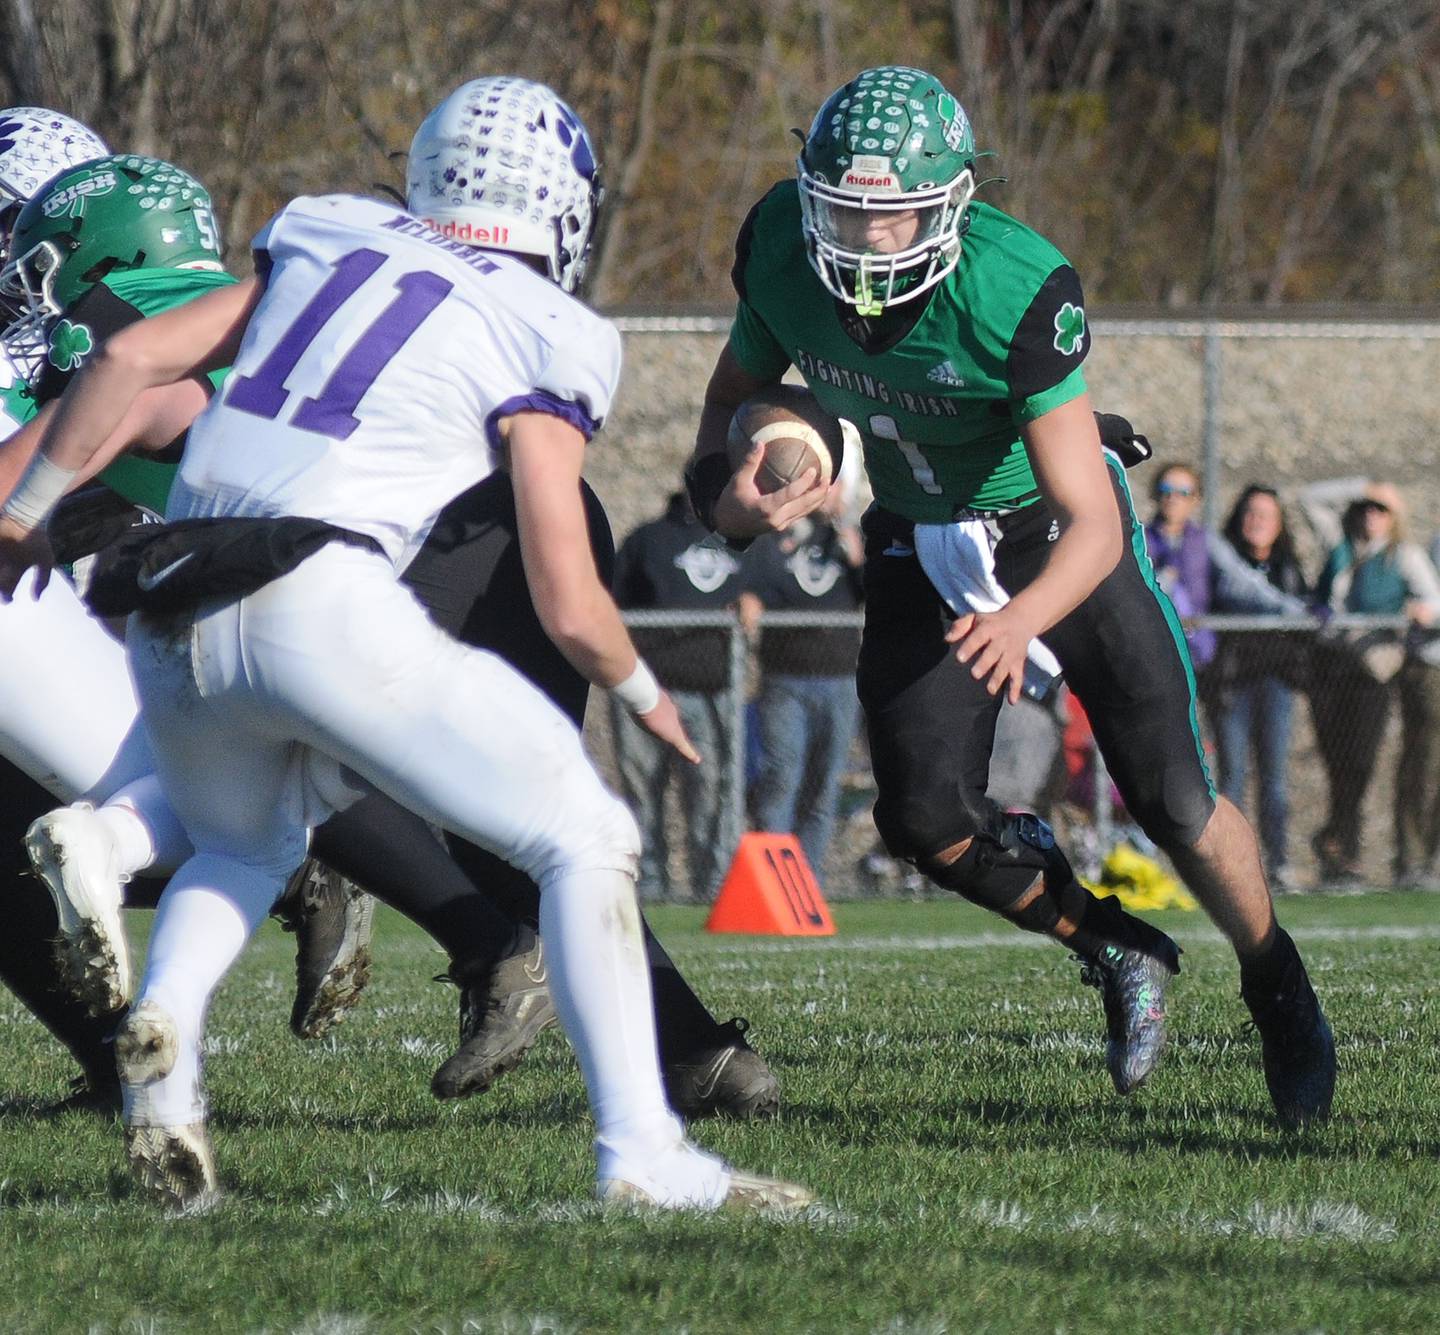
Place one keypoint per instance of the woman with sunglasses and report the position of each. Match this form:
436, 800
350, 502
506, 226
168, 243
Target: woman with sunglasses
1179, 552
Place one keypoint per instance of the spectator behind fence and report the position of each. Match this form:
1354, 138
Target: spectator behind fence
1179, 552
1255, 674
1417, 774
673, 564
1372, 570
808, 708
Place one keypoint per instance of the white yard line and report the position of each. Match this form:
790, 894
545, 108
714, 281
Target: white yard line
725, 945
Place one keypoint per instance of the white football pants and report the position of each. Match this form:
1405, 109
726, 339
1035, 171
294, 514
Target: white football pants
268, 714
67, 708
69, 719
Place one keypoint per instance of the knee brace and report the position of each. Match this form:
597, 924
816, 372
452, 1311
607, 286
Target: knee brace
1008, 868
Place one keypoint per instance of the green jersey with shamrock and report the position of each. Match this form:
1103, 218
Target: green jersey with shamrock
939, 393
116, 301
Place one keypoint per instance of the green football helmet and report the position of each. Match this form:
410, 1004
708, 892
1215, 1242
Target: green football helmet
106, 215
891, 142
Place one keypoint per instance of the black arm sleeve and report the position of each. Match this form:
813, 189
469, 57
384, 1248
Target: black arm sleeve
1052, 338
744, 239
100, 313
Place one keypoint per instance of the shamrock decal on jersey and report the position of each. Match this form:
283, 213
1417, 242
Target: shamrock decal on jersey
1069, 329
70, 344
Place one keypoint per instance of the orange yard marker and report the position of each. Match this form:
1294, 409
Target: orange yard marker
770, 891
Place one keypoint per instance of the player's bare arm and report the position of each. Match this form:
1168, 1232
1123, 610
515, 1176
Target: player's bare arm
1064, 450
152, 422
742, 511
188, 341
141, 389
574, 607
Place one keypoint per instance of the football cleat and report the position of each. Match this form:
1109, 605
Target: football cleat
1296, 1045
75, 858
174, 1166
504, 1008
744, 1191
146, 1044
332, 919
724, 1078
1132, 987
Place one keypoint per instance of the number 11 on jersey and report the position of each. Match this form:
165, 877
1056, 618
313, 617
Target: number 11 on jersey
331, 412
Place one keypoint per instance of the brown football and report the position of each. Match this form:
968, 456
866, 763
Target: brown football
797, 433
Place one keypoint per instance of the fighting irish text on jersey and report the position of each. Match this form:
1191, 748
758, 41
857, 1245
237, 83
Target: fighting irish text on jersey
344, 403
1000, 342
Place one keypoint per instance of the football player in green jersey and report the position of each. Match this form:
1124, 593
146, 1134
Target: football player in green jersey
953, 337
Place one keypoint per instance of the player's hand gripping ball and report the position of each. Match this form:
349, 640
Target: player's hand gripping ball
797, 433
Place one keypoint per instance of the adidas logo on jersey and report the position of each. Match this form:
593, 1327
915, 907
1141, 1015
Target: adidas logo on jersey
945, 374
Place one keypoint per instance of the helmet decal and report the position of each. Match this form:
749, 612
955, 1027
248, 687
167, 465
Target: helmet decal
103, 216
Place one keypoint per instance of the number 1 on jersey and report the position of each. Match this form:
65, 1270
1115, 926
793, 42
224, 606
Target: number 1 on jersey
884, 427
332, 411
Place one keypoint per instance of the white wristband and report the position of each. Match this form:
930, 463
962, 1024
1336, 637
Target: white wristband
37, 493
639, 692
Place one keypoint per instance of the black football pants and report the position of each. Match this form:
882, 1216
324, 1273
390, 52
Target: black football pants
932, 725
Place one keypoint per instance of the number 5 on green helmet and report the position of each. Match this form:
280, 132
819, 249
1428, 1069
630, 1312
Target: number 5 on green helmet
104, 216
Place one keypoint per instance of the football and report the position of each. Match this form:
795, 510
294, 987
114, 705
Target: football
797, 433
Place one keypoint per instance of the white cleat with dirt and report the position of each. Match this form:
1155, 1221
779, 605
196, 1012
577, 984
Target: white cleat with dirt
74, 855
689, 1179
174, 1166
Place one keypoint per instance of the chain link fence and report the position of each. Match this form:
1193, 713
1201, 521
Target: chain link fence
1242, 400
1283, 403
1326, 734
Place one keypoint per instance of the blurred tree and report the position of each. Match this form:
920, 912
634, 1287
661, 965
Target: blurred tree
1220, 151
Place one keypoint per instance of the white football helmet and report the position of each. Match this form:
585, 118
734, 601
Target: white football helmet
35, 143
503, 163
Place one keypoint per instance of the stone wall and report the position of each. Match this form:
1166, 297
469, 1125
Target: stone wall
1295, 404
1293, 408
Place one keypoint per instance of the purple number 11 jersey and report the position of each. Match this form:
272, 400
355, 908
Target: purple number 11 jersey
374, 371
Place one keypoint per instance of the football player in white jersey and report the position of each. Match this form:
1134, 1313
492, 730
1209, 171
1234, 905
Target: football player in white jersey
66, 702
85, 278
383, 363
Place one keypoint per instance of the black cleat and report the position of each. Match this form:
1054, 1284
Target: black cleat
504, 1008
724, 1078
1132, 986
1296, 1045
332, 919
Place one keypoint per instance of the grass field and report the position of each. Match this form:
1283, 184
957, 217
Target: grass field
944, 1090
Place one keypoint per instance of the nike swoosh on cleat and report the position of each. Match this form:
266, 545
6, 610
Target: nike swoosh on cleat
706, 1087
146, 582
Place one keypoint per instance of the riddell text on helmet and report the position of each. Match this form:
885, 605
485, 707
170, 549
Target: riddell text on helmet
476, 236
